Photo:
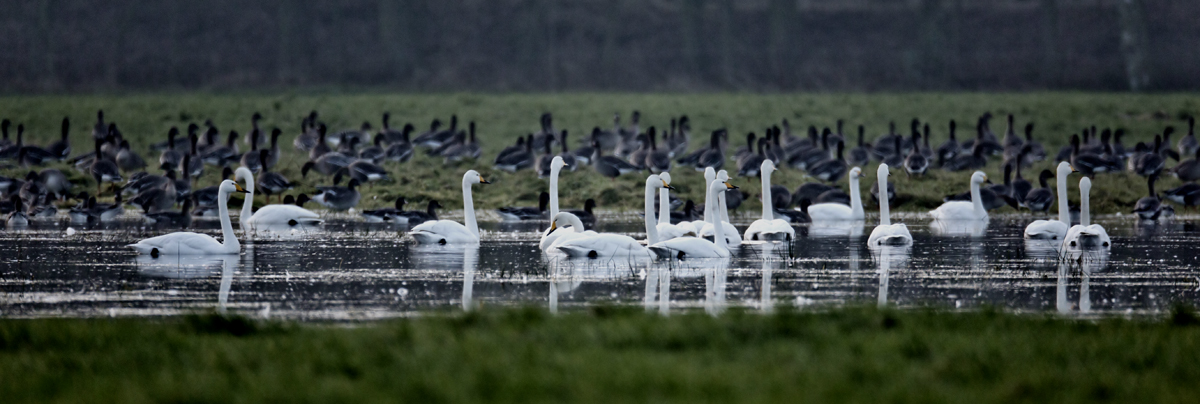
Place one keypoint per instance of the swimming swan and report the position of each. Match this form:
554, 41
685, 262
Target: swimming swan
733, 237
1085, 235
549, 236
1054, 229
769, 228
449, 231
271, 214
834, 213
188, 243
694, 247
964, 210
666, 230
606, 245
887, 233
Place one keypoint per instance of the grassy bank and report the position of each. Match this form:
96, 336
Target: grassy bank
145, 119
608, 355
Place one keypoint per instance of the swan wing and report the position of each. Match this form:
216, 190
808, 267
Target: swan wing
279, 214
954, 210
775, 230
603, 246
443, 232
668, 231
733, 237
1046, 229
894, 234
688, 247
181, 243
549, 238
827, 212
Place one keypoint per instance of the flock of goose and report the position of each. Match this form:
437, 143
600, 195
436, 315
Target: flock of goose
358, 155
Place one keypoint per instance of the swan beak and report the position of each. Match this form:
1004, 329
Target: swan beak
483, 181
667, 186
553, 226
1073, 169
730, 186
240, 189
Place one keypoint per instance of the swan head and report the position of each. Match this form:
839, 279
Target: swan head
1085, 185
1064, 168
709, 174
768, 167
656, 181
883, 172
855, 173
229, 187
978, 178
723, 175
558, 163
243, 174
473, 177
566, 218
666, 177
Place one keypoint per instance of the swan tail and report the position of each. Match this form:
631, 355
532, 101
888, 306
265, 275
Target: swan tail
578, 252
428, 238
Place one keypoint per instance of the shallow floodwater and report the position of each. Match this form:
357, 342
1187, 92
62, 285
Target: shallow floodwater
347, 270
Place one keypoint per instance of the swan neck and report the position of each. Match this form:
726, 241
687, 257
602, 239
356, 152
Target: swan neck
721, 209
248, 204
553, 190
716, 189
977, 201
885, 215
230, 241
664, 206
855, 199
1084, 210
1064, 214
651, 227
469, 210
768, 212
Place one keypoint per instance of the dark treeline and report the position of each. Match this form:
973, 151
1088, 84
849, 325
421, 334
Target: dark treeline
548, 45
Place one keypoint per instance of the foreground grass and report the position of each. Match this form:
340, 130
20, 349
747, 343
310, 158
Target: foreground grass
608, 355
501, 118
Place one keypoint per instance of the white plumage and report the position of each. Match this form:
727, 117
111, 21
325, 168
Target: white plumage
964, 210
830, 213
271, 214
451, 232
769, 228
1086, 235
188, 243
1054, 229
887, 234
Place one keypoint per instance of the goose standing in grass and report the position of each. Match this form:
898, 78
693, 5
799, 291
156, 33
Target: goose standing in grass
451, 232
1188, 170
836, 213
1186, 194
769, 228
607, 245
61, 149
1052, 229
693, 247
192, 165
308, 138
887, 233
18, 217
1150, 206
271, 182
916, 163
713, 156
666, 230
567, 155
255, 135
272, 214
102, 169
609, 166
860, 155
516, 160
514, 213
170, 157
187, 243
963, 210
366, 172
658, 160
1086, 235
950, 149
1188, 145
328, 164
337, 197
831, 169
1039, 199
1152, 163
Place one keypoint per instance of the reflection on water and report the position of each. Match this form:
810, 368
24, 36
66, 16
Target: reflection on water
345, 270
958, 228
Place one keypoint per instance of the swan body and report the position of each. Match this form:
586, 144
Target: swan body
449, 231
188, 243
964, 210
887, 234
1086, 235
271, 214
768, 227
606, 245
833, 213
1054, 229
569, 233
666, 230
693, 247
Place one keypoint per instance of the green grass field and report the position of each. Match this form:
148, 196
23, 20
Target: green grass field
146, 118
608, 355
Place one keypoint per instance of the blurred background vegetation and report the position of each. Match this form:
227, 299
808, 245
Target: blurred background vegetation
589, 45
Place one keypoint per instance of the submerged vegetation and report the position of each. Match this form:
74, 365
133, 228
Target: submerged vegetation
145, 119
608, 354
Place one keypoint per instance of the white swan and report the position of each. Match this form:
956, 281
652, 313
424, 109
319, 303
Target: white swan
887, 233
769, 228
695, 247
666, 230
271, 214
549, 236
188, 243
709, 175
1085, 235
720, 214
558, 223
1054, 229
449, 231
606, 245
964, 210
837, 214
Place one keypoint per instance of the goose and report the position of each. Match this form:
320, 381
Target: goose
451, 232
567, 156
255, 135
768, 227
831, 169
812, 191
337, 197
1040, 199
328, 164
693, 158
435, 138
974, 161
365, 171
891, 192
587, 215
428, 139
61, 149
833, 213
157, 198
916, 163
608, 245
387, 214
713, 156
693, 247
512, 213
683, 216
128, 160
187, 243
251, 159
517, 161
609, 166
894, 158
5, 143
55, 181
18, 217
347, 141
1150, 206
860, 155
99, 129
985, 138
1188, 170
414, 217
657, 160
748, 149
518, 147
274, 214
169, 158
950, 149
547, 135
993, 197
322, 145
583, 154
222, 155
272, 183
666, 230
962, 210
627, 137
1085, 234
308, 138
638, 157
885, 145
1052, 229
608, 138
181, 218
192, 165
887, 233
105, 212
749, 163
391, 135
1188, 145
808, 157
1011, 140
103, 170
1020, 185
1152, 163
680, 138
1186, 194
375, 152
549, 236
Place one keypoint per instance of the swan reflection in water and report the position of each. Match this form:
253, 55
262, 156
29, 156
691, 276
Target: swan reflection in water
1087, 263
192, 267
282, 230
470, 260
958, 228
844, 228
886, 257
